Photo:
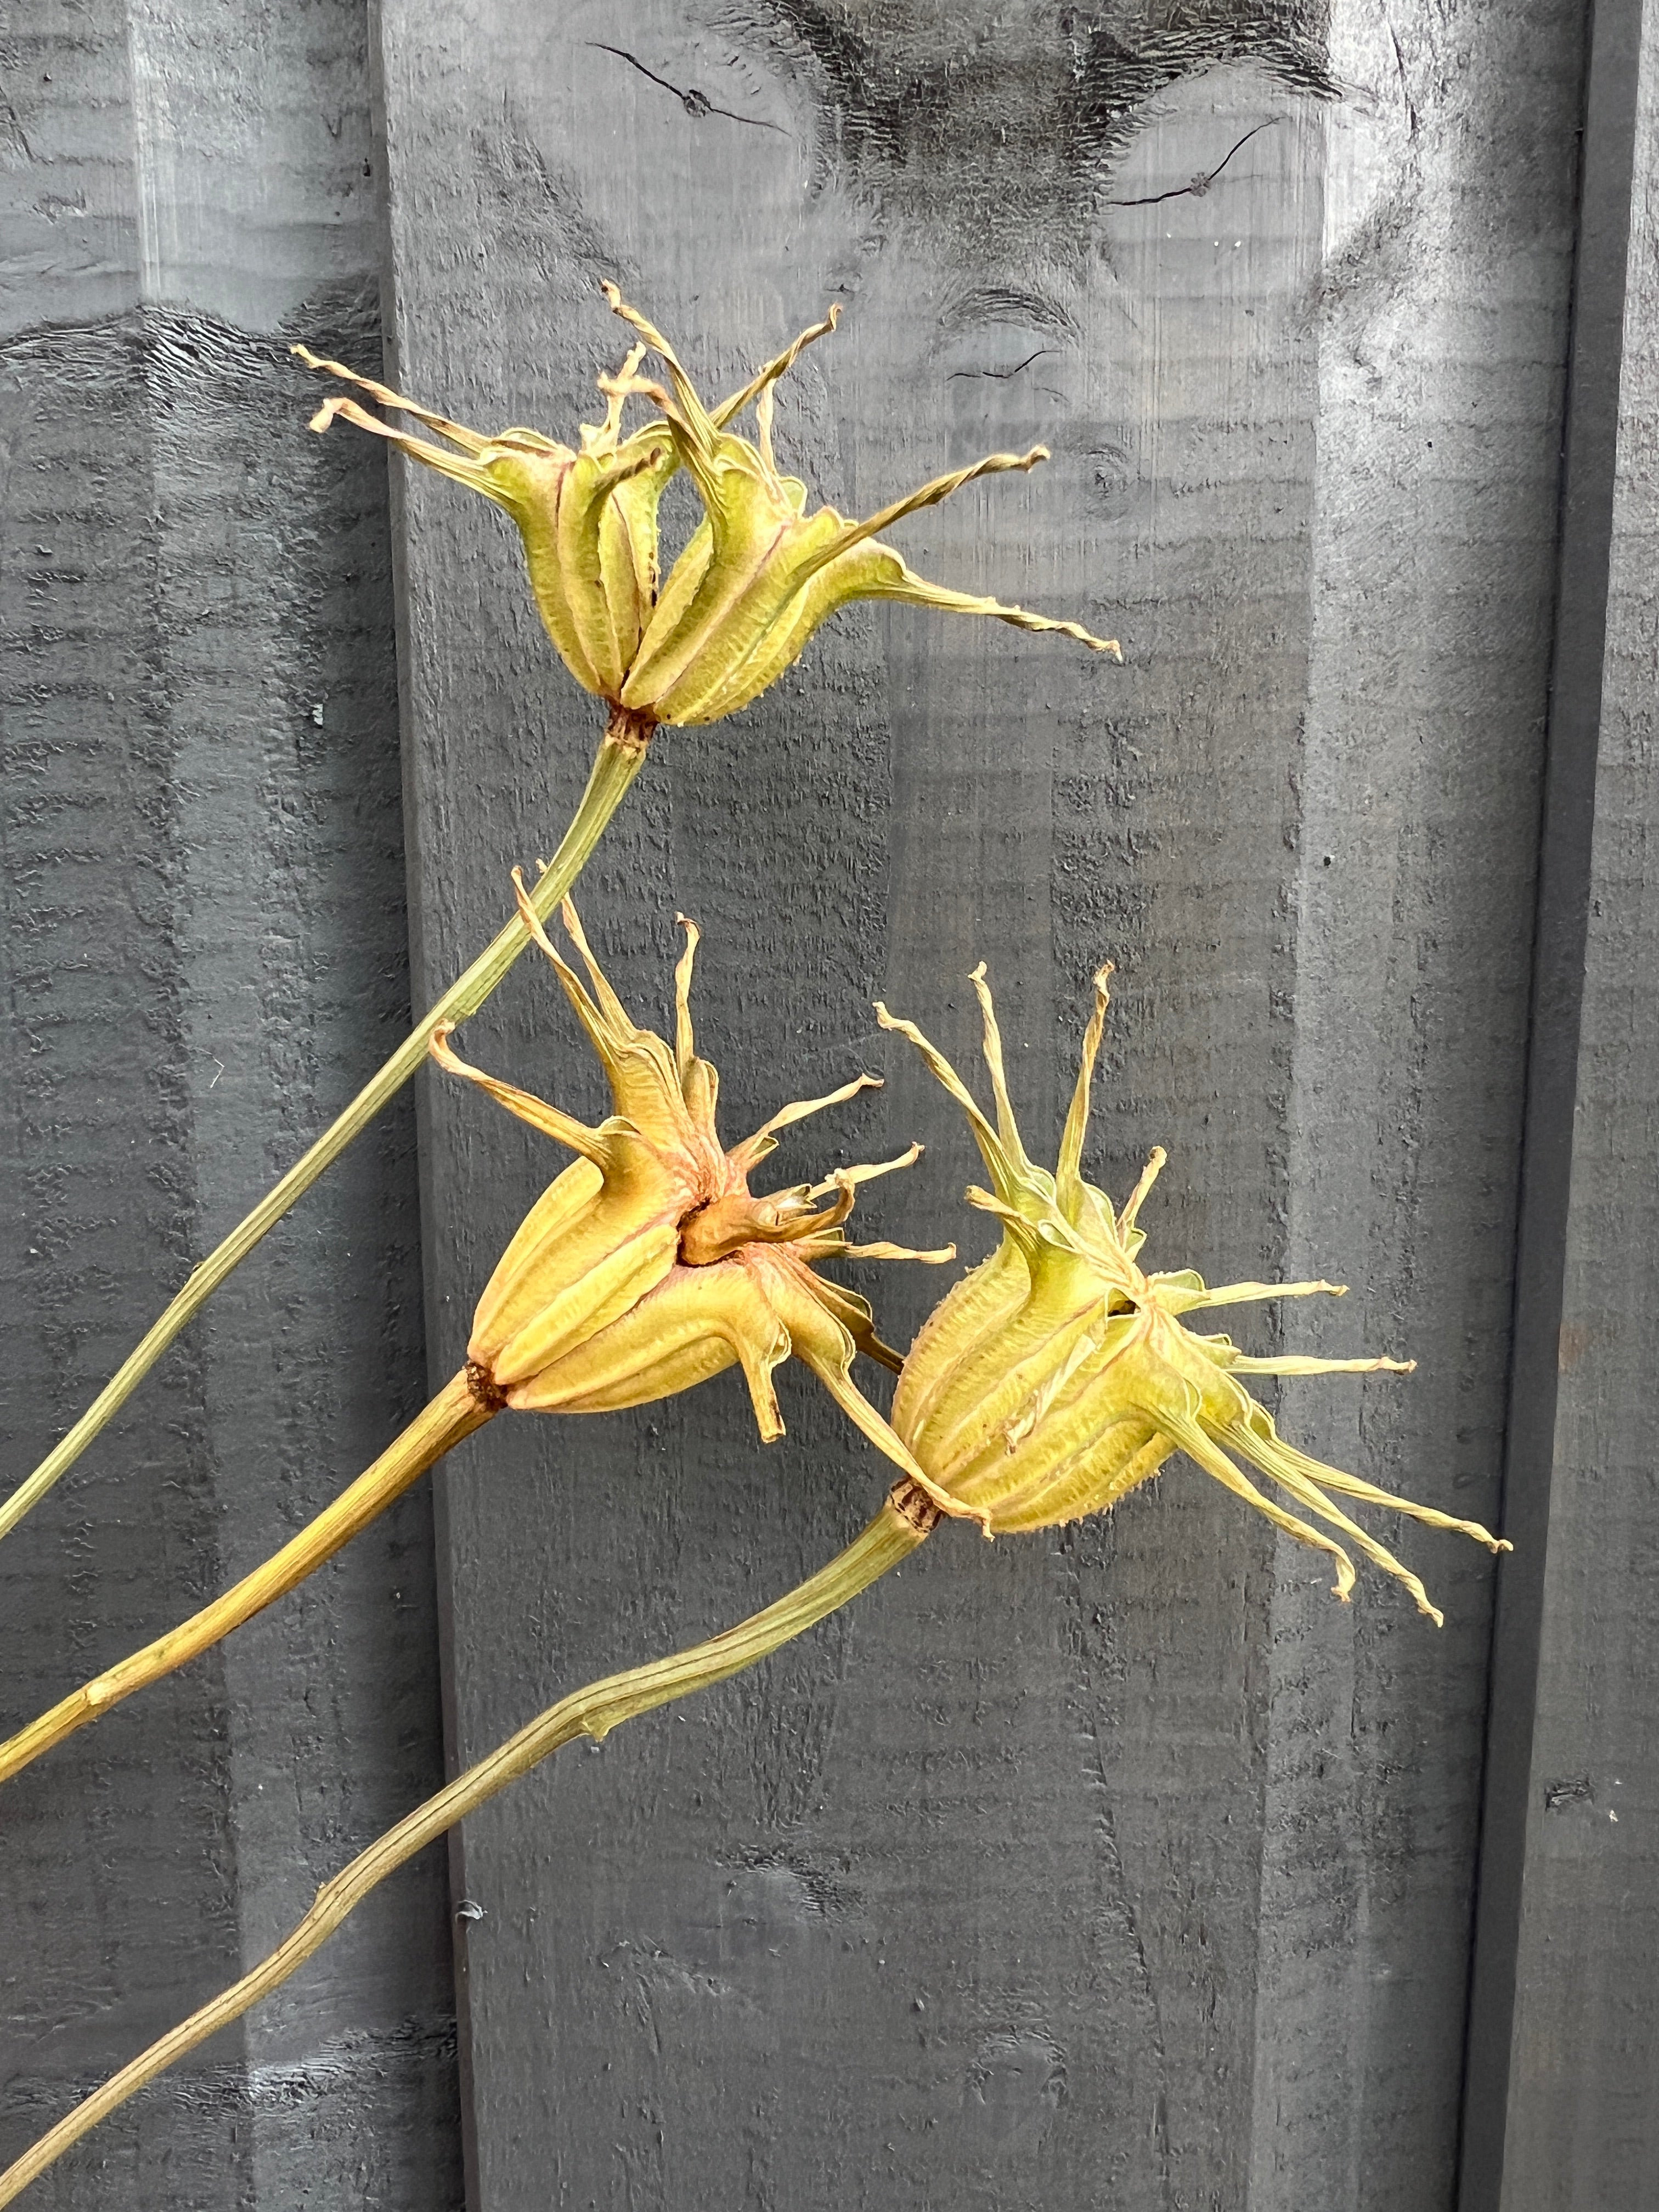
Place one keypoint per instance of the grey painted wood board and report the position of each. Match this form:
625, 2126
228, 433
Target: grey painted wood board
1581, 2115
204, 954
1120, 1866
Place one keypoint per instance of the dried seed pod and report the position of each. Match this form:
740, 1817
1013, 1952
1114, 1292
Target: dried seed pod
649, 1265
588, 517
761, 573
1055, 1377
758, 574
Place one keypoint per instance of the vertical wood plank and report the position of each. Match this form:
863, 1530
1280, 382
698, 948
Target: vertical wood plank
1121, 1867
203, 957
1448, 237
1560, 2080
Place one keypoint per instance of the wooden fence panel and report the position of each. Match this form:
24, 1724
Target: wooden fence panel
1561, 2084
1121, 1867
203, 955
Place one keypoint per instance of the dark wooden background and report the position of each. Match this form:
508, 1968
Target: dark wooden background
1119, 1868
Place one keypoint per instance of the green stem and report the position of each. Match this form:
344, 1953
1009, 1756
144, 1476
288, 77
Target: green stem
905, 1519
621, 752
455, 1412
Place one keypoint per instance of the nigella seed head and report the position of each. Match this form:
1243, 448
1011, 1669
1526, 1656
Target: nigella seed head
758, 575
587, 516
1058, 1375
762, 572
649, 1265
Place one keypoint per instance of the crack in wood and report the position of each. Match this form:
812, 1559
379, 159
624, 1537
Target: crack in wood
1199, 185
696, 103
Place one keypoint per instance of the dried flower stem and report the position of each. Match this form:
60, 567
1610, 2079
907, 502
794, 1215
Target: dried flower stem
905, 1520
621, 753
453, 1413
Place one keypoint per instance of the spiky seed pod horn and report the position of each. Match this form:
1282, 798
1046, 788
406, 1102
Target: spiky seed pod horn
644, 1268
1057, 1375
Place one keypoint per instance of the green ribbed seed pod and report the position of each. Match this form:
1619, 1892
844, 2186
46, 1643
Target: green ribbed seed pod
761, 573
587, 517
1057, 1375
649, 1265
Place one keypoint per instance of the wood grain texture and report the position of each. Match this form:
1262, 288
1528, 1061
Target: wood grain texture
202, 955
1582, 2116
1122, 1868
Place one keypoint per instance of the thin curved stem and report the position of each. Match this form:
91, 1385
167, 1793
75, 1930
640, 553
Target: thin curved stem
622, 751
905, 1519
453, 1414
